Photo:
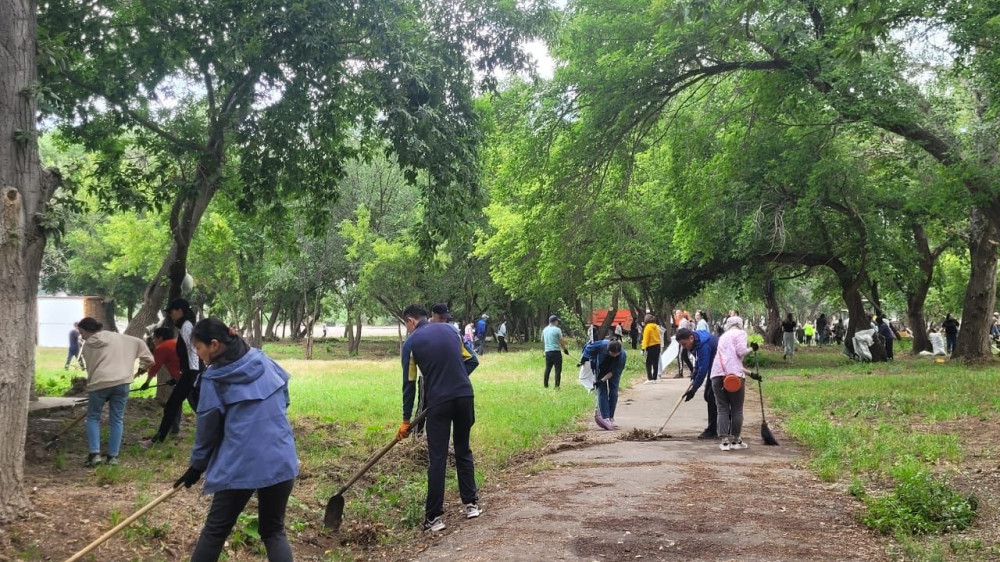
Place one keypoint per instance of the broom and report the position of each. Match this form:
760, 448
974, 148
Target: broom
765, 432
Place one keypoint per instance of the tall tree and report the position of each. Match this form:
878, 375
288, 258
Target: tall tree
279, 94
25, 191
855, 58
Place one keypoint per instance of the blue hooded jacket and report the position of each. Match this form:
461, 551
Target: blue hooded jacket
597, 353
244, 439
705, 345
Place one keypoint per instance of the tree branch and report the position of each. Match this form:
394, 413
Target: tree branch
138, 118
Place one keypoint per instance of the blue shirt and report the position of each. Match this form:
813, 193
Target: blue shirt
244, 439
551, 336
437, 350
481, 328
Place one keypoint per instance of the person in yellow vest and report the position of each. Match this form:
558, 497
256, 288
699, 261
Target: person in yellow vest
808, 331
651, 347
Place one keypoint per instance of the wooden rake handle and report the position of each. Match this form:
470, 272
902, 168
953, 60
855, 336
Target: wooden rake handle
117, 529
375, 458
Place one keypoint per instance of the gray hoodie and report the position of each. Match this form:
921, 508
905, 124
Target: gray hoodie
110, 359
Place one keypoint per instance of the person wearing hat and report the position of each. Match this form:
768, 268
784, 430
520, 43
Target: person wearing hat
728, 383
480, 334
186, 388
553, 339
703, 346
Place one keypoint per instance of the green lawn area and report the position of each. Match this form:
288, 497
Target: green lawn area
343, 410
905, 435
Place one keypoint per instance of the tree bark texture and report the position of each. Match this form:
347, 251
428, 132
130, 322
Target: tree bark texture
25, 188
916, 296
981, 293
774, 332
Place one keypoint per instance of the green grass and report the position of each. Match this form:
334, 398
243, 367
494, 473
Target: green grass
890, 429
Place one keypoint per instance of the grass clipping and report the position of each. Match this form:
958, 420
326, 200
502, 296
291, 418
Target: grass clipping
920, 504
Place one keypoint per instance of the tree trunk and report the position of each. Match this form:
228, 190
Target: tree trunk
271, 320
981, 293
185, 216
25, 189
917, 295
774, 332
356, 344
609, 319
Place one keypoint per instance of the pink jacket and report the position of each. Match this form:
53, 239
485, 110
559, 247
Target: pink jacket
730, 353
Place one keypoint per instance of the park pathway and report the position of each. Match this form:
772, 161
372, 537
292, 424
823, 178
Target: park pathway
606, 498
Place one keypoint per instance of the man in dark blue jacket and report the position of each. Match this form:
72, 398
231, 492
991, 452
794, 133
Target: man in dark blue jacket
480, 332
607, 359
702, 344
436, 349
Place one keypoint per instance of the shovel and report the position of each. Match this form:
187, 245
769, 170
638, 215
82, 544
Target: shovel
55, 438
334, 515
149, 387
117, 529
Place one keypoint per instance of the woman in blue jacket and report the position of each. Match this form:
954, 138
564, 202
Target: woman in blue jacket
243, 443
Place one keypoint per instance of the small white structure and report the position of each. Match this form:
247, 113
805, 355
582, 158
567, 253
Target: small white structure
56, 315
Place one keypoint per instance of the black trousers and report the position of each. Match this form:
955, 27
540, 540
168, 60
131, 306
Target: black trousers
553, 359
226, 508
652, 362
183, 390
502, 344
713, 409
455, 417
635, 340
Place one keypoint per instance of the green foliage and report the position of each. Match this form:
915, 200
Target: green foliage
920, 504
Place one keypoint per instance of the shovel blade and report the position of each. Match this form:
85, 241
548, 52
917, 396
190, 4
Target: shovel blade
334, 515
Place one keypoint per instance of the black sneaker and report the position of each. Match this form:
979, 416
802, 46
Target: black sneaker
94, 459
707, 435
109, 460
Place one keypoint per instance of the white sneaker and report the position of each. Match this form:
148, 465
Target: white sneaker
472, 510
435, 526
738, 444
725, 446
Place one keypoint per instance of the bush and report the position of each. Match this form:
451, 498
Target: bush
920, 504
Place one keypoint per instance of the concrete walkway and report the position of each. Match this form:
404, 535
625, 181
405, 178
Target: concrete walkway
677, 499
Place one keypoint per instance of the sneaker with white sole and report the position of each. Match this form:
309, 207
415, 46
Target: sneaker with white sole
725, 446
434, 526
94, 459
472, 510
738, 444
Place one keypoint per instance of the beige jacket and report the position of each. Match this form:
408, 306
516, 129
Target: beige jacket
110, 359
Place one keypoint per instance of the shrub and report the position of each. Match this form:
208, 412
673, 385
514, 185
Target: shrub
920, 504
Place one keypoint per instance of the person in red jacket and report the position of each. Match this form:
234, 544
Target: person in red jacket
165, 355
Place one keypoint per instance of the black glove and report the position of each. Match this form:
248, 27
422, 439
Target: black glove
189, 478
145, 386
580, 364
755, 376
565, 351
172, 382
689, 394
754, 346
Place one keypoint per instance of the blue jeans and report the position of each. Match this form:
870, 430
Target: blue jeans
607, 395
116, 397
